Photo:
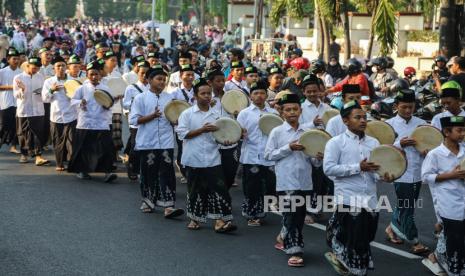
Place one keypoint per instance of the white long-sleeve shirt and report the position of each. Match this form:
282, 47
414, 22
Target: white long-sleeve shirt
158, 133
310, 111
7, 99
183, 94
293, 168
200, 151
47, 71
235, 85
61, 109
94, 116
129, 95
130, 77
342, 158
175, 80
29, 103
449, 195
253, 146
335, 126
436, 121
414, 158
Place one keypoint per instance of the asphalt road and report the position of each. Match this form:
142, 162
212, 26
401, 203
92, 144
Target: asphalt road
55, 224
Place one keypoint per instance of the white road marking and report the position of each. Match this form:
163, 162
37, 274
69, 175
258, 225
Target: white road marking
378, 245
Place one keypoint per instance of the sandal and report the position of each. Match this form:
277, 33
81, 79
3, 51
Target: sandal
279, 246
145, 208
295, 261
60, 169
419, 249
309, 220
174, 213
226, 227
193, 225
42, 162
433, 267
391, 237
254, 222
337, 266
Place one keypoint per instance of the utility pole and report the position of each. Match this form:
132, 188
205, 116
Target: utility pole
153, 19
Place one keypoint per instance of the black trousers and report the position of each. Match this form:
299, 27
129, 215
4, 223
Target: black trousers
293, 223
134, 156
8, 126
157, 179
62, 141
178, 157
229, 163
454, 232
46, 130
257, 181
30, 131
93, 151
207, 196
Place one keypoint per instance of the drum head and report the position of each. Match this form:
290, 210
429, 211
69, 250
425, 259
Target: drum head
234, 101
314, 141
228, 130
390, 159
427, 137
174, 109
71, 86
117, 86
268, 121
328, 114
103, 98
382, 131
281, 94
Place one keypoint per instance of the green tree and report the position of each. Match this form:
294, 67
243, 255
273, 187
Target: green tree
451, 20
60, 9
385, 26
15, 8
161, 10
291, 8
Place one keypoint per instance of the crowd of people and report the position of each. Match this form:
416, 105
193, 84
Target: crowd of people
36, 111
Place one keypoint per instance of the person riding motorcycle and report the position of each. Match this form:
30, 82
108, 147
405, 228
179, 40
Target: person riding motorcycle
380, 77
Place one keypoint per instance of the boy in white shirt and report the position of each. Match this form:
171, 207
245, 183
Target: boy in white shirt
8, 101
236, 83
354, 223
407, 187
27, 88
131, 155
63, 114
442, 169
207, 195
155, 143
293, 176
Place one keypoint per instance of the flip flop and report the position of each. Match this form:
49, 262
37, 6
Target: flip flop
337, 266
433, 267
193, 226
279, 246
420, 251
60, 169
390, 237
175, 213
295, 262
225, 228
42, 162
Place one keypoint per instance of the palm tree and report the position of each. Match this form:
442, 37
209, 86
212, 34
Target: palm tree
449, 36
334, 13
